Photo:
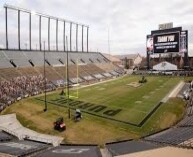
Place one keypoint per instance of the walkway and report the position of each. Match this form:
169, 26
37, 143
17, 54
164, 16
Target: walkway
11, 125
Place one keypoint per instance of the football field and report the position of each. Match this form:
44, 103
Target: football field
123, 99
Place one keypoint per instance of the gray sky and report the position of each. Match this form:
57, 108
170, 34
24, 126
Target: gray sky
128, 21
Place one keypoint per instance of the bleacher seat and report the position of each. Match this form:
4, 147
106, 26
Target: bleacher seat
4, 61
173, 136
36, 57
18, 57
21, 148
187, 121
5, 137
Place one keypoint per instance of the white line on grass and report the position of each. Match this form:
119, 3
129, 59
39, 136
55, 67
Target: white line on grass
174, 91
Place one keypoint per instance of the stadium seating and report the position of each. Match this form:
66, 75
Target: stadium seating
54, 59
92, 69
5, 137
50, 73
187, 121
4, 61
61, 70
18, 58
28, 71
106, 66
22, 148
22, 72
36, 57
9, 73
130, 146
107, 74
173, 136
84, 73
114, 73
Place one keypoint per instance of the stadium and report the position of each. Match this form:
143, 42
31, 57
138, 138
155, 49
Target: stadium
64, 101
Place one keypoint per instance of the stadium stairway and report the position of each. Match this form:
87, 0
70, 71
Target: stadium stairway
11, 125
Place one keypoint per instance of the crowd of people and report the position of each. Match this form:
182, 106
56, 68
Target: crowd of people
173, 73
21, 87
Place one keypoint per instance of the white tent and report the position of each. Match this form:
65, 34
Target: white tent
164, 66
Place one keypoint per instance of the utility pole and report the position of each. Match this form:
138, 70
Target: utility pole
67, 73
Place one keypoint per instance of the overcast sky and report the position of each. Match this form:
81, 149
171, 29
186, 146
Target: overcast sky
128, 21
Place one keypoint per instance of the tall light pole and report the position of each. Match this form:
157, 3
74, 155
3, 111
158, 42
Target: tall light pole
109, 45
67, 73
6, 28
45, 94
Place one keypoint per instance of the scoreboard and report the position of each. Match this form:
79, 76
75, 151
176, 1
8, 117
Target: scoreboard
171, 40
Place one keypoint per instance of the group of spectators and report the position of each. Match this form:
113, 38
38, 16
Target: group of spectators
21, 87
173, 73
183, 73
188, 95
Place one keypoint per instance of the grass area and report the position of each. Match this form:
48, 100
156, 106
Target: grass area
30, 114
92, 129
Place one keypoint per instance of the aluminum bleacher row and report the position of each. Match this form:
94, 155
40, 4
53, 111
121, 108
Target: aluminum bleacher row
188, 119
17, 63
24, 65
12, 146
180, 135
22, 58
4, 136
35, 149
174, 136
22, 148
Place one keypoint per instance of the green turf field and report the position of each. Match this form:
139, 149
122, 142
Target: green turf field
118, 101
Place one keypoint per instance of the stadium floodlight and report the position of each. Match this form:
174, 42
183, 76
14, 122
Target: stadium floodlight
41, 16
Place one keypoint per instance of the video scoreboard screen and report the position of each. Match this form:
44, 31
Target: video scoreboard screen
167, 42
170, 40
